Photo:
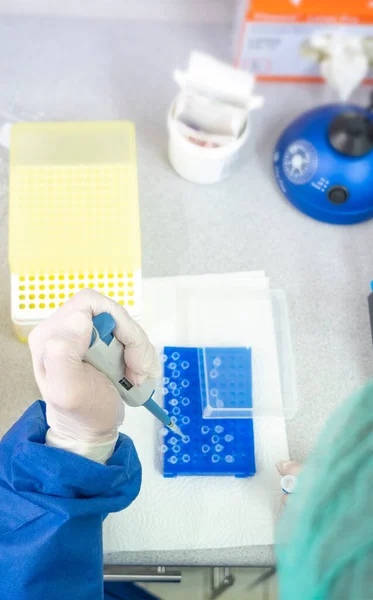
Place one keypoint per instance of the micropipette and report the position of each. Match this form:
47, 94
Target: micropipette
106, 354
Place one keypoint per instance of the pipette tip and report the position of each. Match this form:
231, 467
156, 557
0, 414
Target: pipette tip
176, 429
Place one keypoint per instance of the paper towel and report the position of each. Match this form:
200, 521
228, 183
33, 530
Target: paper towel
206, 512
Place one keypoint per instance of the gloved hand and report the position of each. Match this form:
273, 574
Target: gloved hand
84, 410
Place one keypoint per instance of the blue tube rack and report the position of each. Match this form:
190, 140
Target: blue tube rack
213, 446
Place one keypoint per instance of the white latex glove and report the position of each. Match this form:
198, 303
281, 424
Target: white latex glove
84, 410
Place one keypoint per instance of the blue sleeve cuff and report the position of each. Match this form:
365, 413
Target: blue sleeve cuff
45, 475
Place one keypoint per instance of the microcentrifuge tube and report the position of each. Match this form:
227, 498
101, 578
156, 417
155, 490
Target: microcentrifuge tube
175, 356
185, 420
164, 448
229, 437
219, 447
213, 373
176, 448
172, 366
174, 402
165, 391
185, 458
185, 401
166, 380
214, 392
175, 374
215, 458
184, 364
205, 448
176, 392
217, 361
173, 441
229, 458
205, 429
176, 410
172, 459
215, 439
186, 439
185, 383
219, 429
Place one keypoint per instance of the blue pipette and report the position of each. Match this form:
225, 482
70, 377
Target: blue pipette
105, 353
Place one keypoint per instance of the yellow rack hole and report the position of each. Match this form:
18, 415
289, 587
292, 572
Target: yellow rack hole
71, 276
22, 306
32, 305
120, 284
61, 295
42, 305
81, 285
131, 293
31, 287
120, 293
120, 275
41, 277
81, 276
52, 296
22, 288
131, 302
52, 286
130, 275
51, 277
111, 294
61, 286
121, 302
91, 285
111, 284
71, 286
110, 275
71, 295
32, 296
52, 305
91, 276
100, 275
61, 277
32, 278
42, 287
60, 304
22, 297
101, 285
41, 296
22, 278
130, 284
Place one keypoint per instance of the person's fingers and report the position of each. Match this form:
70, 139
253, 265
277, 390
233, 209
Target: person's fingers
288, 467
140, 356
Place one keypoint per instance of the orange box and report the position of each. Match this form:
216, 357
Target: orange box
270, 33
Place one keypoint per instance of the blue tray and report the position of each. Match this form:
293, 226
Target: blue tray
210, 446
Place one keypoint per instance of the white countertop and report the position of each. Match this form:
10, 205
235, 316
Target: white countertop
80, 69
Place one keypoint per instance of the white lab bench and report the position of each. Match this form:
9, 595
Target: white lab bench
89, 70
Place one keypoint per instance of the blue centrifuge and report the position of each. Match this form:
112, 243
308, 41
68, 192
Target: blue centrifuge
323, 163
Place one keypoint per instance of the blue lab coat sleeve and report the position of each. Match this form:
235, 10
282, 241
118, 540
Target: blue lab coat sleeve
52, 504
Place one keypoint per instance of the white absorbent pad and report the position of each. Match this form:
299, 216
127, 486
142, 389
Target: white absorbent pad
206, 512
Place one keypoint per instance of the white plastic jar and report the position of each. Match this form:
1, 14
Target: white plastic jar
197, 163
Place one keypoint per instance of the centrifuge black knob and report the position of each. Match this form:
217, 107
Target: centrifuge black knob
351, 133
337, 194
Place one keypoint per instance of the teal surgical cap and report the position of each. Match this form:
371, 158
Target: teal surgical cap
325, 535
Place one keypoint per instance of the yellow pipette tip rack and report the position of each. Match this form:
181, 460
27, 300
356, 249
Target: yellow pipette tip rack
73, 217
